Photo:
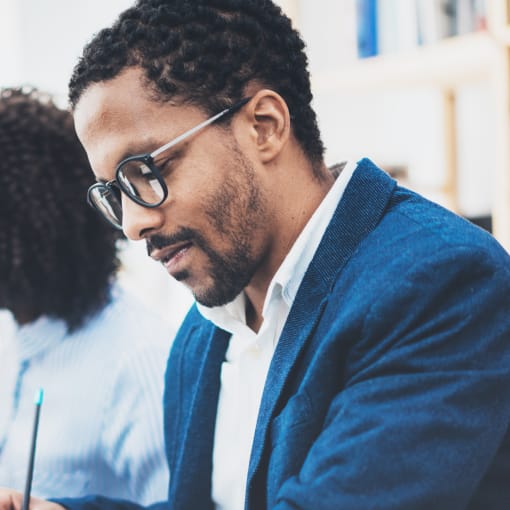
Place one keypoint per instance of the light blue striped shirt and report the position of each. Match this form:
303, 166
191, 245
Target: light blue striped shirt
101, 425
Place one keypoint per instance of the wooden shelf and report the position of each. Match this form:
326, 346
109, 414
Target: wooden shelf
447, 63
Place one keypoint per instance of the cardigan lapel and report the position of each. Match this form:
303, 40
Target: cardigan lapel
360, 209
192, 474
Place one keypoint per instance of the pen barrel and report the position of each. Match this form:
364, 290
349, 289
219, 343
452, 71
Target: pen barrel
30, 471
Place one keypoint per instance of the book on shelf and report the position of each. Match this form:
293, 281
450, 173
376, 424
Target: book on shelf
470, 16
366, 12
438, 19
392, 26
397, 27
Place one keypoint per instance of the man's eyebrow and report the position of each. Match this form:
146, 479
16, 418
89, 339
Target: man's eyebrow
148, 146
130, 151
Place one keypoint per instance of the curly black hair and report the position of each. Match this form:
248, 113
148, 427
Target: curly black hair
57, 257
205, 53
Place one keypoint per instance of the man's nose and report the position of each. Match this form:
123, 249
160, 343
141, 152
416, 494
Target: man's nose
139, 221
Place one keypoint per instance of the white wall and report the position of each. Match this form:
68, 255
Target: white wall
42, 39
477, 151
10, 42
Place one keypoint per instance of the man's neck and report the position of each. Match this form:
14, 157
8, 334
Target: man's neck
253, 319
294, 215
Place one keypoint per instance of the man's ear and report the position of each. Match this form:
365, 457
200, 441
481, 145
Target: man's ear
270, 124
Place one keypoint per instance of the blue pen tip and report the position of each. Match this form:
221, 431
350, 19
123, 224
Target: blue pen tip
38, 397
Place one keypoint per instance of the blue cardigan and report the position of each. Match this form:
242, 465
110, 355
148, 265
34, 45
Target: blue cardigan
390, 384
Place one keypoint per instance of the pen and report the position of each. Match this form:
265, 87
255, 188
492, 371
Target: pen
28, 485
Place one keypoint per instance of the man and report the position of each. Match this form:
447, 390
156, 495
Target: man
97, 353
350, 345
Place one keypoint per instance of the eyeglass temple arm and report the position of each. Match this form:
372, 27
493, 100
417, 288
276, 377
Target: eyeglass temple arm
192, 131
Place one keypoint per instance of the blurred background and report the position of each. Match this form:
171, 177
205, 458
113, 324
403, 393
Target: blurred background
419, 86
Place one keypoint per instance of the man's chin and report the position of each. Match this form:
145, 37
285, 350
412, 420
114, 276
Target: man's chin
209, 297
209, 290
213, 297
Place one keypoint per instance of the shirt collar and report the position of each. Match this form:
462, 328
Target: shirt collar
287, 279
39, 336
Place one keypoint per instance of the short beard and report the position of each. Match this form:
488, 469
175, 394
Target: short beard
231, 273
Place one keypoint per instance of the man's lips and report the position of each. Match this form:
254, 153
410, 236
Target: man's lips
165, 255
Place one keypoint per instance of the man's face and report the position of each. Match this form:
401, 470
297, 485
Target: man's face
211, 231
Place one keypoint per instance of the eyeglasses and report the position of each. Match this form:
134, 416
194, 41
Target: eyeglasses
140, 179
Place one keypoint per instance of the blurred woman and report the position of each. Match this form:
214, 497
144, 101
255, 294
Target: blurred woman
96, 352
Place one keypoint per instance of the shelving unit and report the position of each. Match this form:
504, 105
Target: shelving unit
446, 65
499, 28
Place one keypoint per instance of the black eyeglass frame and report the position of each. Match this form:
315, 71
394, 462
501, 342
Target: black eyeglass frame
115, 186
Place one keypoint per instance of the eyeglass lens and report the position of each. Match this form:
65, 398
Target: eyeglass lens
138, 181
107, 201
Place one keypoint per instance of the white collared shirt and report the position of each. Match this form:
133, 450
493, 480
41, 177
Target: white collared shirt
101, 424
249, 354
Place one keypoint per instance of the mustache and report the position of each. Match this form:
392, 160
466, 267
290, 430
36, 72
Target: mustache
158, 241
